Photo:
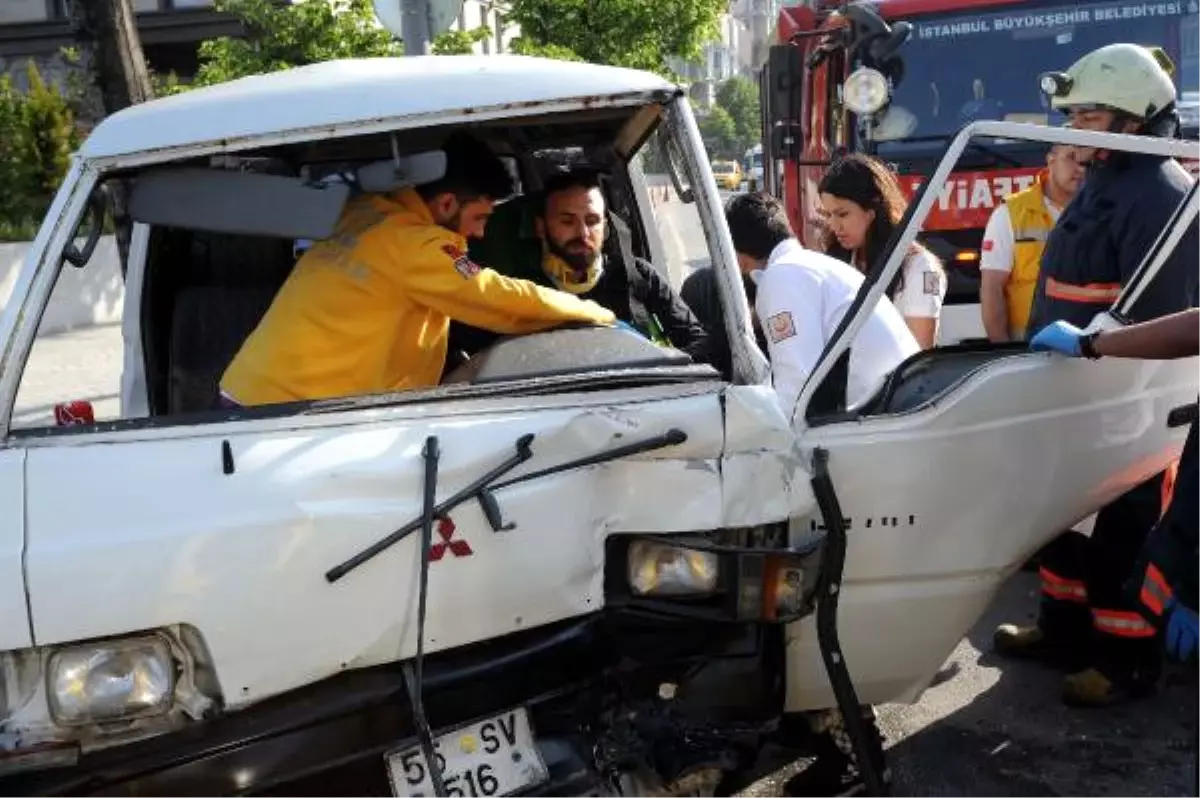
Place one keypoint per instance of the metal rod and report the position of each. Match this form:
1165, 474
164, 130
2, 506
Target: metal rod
1164, 246
669, 438
828, 590
522, 454
414, 681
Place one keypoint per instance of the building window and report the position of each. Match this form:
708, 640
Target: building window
26, 10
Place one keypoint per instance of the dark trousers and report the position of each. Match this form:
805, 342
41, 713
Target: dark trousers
1084, 604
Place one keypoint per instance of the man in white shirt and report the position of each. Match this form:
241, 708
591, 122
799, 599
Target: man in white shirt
1013, 242
802, 296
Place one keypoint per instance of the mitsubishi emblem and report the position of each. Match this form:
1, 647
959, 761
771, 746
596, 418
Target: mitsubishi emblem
459, 547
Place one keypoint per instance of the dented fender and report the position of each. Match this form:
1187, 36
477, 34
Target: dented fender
764, 476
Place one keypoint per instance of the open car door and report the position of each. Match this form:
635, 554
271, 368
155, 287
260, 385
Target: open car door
967, 460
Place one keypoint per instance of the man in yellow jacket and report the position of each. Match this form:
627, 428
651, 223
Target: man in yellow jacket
1013, 243
368, 310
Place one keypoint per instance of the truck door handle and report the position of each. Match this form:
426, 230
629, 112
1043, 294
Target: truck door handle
1183, 415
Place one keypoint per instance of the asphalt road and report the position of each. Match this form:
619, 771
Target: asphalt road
988, 727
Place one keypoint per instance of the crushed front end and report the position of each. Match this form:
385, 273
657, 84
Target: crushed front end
671, 687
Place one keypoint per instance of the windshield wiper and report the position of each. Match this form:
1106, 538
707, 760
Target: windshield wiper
975, 145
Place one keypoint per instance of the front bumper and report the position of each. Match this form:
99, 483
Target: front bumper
330, 738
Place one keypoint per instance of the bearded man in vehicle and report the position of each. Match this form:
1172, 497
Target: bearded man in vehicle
1087, 623
565, 237
368, 310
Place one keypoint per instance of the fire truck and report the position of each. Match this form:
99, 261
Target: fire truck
898, 78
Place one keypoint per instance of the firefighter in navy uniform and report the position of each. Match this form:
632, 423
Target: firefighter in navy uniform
1087, 623
1164, 582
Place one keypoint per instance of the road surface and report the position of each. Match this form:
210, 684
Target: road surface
989, 727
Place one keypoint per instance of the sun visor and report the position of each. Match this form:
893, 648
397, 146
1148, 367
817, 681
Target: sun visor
241, 203
384, 177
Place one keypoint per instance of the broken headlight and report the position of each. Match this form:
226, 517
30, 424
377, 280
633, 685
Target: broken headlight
660, 569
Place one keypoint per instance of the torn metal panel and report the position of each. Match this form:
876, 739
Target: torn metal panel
764, 478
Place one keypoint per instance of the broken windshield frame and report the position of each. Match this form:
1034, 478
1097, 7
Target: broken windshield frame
905, 234
749, 363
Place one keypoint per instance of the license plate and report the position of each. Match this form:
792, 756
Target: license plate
496, 756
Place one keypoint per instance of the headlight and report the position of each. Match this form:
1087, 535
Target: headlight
865, 91
115, 680
658, 569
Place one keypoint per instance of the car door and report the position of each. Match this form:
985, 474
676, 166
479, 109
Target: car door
966, 462
14, 611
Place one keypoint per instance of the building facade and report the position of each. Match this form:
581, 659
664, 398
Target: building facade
720, 60
170, 31
489, 14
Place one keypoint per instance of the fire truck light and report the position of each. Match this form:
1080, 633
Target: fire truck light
865, 91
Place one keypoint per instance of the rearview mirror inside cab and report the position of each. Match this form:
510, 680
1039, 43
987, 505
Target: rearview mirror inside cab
88, 232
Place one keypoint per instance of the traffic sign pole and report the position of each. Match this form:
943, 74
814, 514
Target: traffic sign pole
416, 27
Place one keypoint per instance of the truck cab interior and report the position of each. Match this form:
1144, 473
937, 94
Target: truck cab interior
223, 237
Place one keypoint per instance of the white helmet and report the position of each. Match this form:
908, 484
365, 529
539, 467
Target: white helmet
1123, 77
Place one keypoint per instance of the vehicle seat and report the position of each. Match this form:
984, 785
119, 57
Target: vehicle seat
230, 282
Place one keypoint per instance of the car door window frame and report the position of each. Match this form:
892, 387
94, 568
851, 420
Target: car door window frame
918, 210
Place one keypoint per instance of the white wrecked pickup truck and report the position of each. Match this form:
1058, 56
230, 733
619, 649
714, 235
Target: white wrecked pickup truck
582, 564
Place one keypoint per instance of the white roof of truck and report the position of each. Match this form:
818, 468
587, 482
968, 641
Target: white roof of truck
352, 91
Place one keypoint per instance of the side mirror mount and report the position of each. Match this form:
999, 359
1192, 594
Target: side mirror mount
88, 233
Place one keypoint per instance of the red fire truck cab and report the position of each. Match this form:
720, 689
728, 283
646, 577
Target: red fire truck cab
946, 63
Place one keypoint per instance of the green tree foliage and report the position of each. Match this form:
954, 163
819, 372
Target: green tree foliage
641, 34
739, 98
459, 42
719, 134
280, 36
37, 136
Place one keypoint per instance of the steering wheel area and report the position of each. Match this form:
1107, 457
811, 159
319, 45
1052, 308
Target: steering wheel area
569, 349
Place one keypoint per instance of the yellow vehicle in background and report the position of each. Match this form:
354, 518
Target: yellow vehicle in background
728, 174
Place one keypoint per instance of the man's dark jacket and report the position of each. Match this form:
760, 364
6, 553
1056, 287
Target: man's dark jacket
630, 287
1102, 236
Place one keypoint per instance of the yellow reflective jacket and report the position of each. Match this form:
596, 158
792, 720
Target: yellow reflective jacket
368, 310
1031, 225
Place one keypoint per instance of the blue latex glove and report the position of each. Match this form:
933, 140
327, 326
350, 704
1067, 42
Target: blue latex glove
624, 325
1182, 631
1058, 337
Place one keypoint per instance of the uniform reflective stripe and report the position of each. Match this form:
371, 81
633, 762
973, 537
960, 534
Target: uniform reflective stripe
1062, 589
1030, 235
1156, 593
1121, 624
1092, 293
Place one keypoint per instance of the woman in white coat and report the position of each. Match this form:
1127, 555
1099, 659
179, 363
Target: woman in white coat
861, 204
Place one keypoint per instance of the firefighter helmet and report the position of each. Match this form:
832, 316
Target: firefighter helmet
1121, 77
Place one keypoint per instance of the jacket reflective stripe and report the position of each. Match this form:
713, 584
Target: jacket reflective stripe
1156, 593
1031, 235
1062, 589
1092, 293
1121, 624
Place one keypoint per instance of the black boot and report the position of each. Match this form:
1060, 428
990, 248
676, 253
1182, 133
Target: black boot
835, 770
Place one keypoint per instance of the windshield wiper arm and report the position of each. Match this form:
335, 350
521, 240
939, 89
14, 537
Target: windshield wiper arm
975, 145
522, 454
